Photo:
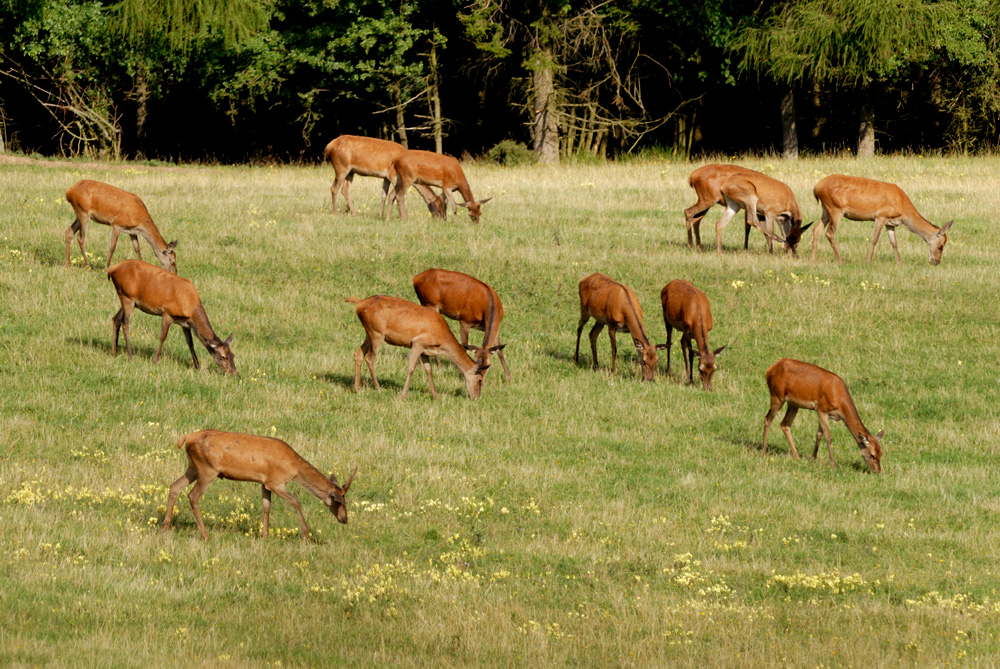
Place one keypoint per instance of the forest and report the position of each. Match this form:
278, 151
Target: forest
545, 80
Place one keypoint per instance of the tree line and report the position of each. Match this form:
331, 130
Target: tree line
547, 80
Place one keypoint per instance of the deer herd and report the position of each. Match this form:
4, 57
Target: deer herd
769, 206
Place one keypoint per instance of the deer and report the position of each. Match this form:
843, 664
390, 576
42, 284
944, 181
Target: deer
433, 169
471, 302
806, 386
860, 199
762, 198
424, 331
614, 305
706, 181
271, 462
124, 212
686, 309
369, 157
160, 293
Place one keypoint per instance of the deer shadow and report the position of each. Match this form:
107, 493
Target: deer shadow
139, 351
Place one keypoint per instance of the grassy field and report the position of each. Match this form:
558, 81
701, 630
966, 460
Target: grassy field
566, 517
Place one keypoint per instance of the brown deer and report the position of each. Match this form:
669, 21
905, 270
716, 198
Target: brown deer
806, 386
160, 293
433, 169
471, 302
686, 309
369, 157
245, 457
706, 181
124, 212
614, 305
763, 198
860, 199
424, 331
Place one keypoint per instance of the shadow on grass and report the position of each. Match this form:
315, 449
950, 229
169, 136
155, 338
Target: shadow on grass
138, 351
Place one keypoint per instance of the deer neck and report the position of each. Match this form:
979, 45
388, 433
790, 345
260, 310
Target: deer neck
701, 338
312, 479
203, 329
919, 225
633, 322
491, 336
853, 421
463, 187
454, 352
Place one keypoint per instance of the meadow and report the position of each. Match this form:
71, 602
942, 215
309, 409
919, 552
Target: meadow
568, 517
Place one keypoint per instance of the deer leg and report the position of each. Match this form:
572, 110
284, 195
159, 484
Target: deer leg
175, 489
115, 231
776, 403
426, 362
693, 216
879, 224
415, 352
135, 245
823, 222
670, 336
449, 203
116, 322
819, 435
686, 354
891, 229
127, 307
594, 333
465, 328
727, 215
265, 504
584, 317
202, 482
786, 427
190, 343
614, 348
386, 185
347, 192
824, 425
164, 329
831, 233
78, 229
338, 183
283, 493
400, 196
503, 362
367, 352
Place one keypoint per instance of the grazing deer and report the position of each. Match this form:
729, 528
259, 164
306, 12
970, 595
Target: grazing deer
686, 309
765, 198
422, 330
124, 212
433, 169
369, 157
860, 199
806, 386
471, 302
614, 305
706, 182
245, 457
160, 293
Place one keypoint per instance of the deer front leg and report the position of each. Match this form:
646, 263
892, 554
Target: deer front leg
786, 427
265, 504
731, 209
824, 425
614, 347
426, 362
891, 229
283, 493
503, 362
670, 334
414, 358
115, 231
686, 354
164, 329
190, 343
879, 224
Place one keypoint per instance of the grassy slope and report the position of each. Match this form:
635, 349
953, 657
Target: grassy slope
566, 517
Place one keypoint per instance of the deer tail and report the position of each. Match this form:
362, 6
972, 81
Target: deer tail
182, 442
353, 300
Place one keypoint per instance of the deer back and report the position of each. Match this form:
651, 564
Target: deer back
366, 156
107, 204
152, 287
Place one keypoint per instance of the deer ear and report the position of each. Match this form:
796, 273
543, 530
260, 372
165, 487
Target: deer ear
660, 347
880, 434
229, 341
172, 245
463, 204
350, 480
485, 201
945, 227
470, 347
806, 227
719, 350
696, 353
498, 347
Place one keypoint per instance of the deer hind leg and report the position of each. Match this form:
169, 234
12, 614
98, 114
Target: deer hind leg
124, 321
614, 347
399, 196
879, 224
203, 480
786, 427
367, 352
190, 342
776, 403
265, 504
283, 493
78, 229
688, 356
584, 317
594, 334
175, 489
503, 362
116, 325
692, 219
347, 192
164, 329
824, 426
670, 336
891, 229
386, 185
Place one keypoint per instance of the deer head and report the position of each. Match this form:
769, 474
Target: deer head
223, 355
647, 359
936, 244
871, 451
475, 208
707, 366
337, 501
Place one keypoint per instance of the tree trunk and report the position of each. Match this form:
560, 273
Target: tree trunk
546, 128
397, 100
866, 131
789, 135
435, 98
141, 110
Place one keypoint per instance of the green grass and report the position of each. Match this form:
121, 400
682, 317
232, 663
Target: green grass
567, 517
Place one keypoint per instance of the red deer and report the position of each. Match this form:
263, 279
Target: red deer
706, 182
433, 169
369, 157
860, 199
245, 457
469, 301
614, 305
124, 212
763, 198
806, 386
686, 309
160, 293
424, 331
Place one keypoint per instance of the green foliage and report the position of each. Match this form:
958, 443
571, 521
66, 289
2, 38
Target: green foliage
511, 154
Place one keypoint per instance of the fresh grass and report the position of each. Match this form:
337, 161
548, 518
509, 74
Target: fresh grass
567, 517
